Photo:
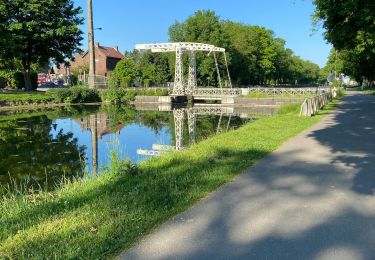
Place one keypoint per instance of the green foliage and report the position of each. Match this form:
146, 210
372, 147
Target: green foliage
75, 95
75, 72
5, 78
341, 92
18, 80
203, 27
260, 58
350, 27
124, 75
123, 95
256, 56
37, 31
153, 68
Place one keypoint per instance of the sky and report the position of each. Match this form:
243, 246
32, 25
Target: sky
125, 23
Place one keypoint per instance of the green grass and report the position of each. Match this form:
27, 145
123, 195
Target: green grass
289, 109
97, 219
74, 94
20, 98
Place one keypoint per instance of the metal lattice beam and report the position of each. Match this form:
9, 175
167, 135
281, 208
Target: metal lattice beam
192, 79
179, 115
178, 88
191, 125
173, 46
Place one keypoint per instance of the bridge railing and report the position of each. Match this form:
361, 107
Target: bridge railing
284, 91
217, 92
312, 105
258, 90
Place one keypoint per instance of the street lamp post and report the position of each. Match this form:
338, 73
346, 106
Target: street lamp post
90, 22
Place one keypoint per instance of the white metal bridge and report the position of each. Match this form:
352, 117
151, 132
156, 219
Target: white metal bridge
179, 87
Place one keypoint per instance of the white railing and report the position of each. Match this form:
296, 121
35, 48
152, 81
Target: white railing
217, 92
312, 105
258, 90
284, 91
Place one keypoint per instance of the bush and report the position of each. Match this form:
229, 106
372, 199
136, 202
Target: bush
124, 94
75, 95
5, 78
112, 94
118, 95
124, 74
18, 80
125, 82
341, 92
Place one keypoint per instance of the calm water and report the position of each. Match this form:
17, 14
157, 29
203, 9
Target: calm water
41, 147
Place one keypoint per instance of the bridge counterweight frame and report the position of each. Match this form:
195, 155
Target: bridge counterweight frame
179, 48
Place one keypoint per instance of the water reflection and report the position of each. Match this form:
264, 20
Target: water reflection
45, 146
188, 117
32, 155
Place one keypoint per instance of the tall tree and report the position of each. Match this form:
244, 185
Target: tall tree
203, 27
39, 31
350, 27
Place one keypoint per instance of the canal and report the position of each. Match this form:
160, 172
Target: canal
39, 148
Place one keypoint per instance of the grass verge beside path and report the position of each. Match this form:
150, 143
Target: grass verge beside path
98, 219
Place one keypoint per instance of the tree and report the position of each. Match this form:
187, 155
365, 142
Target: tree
203, 27
125, 73
39, 31
350, 27
258, 57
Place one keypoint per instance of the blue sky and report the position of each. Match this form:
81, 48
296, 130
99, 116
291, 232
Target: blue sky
126, 23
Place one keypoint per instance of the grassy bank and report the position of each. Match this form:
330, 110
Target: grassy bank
54, 96
75, 95
20, 98
96, 219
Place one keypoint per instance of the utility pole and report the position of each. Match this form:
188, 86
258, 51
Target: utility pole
90, 22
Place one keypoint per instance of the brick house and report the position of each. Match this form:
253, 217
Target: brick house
106, 59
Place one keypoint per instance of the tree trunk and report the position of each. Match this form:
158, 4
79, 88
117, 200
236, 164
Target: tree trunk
28, 85
26, 74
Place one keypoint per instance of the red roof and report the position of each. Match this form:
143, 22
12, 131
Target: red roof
111, 52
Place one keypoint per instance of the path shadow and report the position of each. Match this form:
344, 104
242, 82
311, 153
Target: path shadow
352, 139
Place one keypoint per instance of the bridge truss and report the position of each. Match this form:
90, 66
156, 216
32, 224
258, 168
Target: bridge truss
191, 48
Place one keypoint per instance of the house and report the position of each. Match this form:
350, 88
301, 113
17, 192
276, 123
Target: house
106, 59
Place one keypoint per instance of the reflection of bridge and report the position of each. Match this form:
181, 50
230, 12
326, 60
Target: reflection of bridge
191, 114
